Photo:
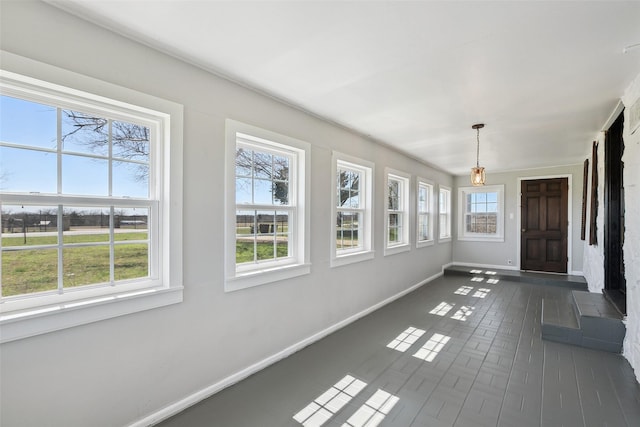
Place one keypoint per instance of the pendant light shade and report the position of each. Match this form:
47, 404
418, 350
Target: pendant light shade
477, 176
477, 173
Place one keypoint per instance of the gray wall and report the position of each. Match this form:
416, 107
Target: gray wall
498, 253
117, 371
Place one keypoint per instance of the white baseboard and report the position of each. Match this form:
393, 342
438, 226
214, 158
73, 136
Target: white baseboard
208, 391
486, 266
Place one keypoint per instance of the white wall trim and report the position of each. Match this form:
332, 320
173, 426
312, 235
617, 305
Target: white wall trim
208, 391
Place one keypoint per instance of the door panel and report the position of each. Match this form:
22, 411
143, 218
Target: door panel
544, 225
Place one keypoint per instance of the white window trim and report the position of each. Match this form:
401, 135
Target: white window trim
37, 314
367, 168
405, 244
420, 182
447, 236
481, 237
299, 264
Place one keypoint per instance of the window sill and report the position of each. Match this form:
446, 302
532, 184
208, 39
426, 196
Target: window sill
262, 277
352, 258
425, 243
27, 323
397, 249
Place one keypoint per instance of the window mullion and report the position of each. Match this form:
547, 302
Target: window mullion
112, 255
60, 251
60, 248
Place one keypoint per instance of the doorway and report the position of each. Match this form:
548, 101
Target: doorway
543, 235
615, 285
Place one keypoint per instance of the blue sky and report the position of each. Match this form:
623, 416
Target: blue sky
22, 170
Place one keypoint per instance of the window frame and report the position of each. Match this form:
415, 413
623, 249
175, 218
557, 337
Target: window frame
27, 315
403, 210
444, 233
298, 262
424, 183
367, 170
463, 235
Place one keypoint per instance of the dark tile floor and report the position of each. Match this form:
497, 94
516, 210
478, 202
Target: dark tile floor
456, 352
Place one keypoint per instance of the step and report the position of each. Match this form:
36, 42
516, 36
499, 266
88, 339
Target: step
588, 320
550, 279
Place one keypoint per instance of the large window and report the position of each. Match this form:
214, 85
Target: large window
424, 214
352, 202
444, 214
84, 190
267, 216
397, 213
481, 213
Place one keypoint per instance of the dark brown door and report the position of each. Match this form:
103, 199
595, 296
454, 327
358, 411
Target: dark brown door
544, 225
615, 285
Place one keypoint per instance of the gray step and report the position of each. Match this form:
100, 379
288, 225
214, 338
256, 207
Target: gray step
550, 279
587, 320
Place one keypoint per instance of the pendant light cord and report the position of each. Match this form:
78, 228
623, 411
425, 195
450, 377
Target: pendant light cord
478, 148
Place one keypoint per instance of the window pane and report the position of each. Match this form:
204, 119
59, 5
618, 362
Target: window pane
27, 171
348, 230
130, 179
262, 163
29, 225
244, 162
346, 190
265, 246
85, 176
245, 236
243, 190
85, 265
27, 123
394, 195
262, 191
281, 192
280, 168
131, 261
422, 199
393, 235
282, 234
85, 225
29, 271
423, 227
131, 220
85, 133
395, 226
130, 141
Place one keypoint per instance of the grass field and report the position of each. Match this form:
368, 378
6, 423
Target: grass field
244, 251
36, 270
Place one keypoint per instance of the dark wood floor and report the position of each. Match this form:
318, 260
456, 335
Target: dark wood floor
456, 352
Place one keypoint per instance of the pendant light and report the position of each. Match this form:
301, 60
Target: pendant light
477, 173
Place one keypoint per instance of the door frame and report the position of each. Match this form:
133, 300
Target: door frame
569, 217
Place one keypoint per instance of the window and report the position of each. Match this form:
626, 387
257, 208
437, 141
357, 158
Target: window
481, 213
267, 212
352, 210
397, 213
424, 214
86, 211
444, 212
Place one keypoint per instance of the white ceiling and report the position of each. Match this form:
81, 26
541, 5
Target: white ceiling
543, 76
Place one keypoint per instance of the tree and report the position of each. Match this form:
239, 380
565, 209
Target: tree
276, 169
129, 140
266, 166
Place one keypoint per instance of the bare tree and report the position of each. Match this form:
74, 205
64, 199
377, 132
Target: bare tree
129, 141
